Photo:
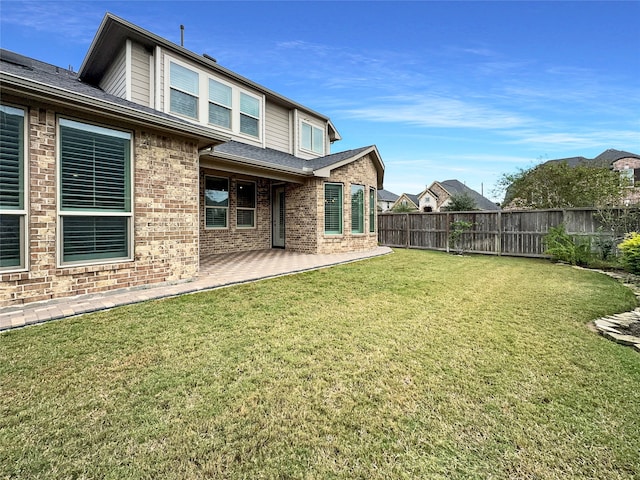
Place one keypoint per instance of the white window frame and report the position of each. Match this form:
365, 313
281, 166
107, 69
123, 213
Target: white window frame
61, 213
191, 94
204, 76
364, 210
248, 115
255, 205
373, 209
211, 102
314, 128
226, 227
23, 212
324, 216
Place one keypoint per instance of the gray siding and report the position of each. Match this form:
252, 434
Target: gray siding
140, 75
115, 79
277, 128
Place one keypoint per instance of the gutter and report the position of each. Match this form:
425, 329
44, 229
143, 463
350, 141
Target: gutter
303, 172
48, 93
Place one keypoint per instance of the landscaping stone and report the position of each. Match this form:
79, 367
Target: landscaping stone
621, 339
623, 328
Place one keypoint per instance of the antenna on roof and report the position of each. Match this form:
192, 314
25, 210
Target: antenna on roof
182, 35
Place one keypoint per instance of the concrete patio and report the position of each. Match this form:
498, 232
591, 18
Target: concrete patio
216, 271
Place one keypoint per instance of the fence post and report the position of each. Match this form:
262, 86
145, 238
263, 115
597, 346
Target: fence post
407, 241
499, 234
447, 232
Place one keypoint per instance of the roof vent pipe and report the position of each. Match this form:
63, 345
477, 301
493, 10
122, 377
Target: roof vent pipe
182, 35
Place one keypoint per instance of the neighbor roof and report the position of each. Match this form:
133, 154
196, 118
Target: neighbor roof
386, 196
456, 187
604, 160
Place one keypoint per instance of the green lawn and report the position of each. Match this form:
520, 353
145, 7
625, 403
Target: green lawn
413, 365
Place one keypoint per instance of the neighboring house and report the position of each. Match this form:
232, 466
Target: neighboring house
628, 164
406, 200
386, 199
438, 195
151, 156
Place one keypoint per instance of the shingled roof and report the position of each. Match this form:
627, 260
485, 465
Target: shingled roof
456, 187
24, 75
605, 160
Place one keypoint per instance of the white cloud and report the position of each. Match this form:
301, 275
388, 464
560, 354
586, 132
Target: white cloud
436, 112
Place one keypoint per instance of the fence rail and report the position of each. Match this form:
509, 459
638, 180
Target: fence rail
513, 232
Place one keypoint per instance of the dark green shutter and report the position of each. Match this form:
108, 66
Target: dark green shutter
91, 238
94, 177
357, 209
332, 209
373, 208
11, 155
10, 241
95, 171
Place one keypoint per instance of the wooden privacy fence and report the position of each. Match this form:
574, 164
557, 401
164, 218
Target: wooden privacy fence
517, 232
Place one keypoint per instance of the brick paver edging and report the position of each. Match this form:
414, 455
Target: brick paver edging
57, 309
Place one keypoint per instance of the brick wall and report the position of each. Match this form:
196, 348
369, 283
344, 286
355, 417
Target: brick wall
233, 239
165, 219
632, 194
305, 212
360, 172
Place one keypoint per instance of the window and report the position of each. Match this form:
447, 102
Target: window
12, 189
219, 104
95, 193
249, 115
184, 91
312, 138
357, 209
216, 202
372, 210
246, 209
332, 209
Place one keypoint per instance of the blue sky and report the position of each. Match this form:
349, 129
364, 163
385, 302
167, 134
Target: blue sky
465, 90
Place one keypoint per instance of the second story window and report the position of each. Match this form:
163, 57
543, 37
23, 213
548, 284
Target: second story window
249, 115
184, 91
219, 104
312, 138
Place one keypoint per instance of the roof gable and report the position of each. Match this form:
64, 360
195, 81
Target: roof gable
113, 33
275, 159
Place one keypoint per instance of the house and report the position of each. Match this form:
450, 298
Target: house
406, 201
628, 164
386, 199
150, 156
438, 195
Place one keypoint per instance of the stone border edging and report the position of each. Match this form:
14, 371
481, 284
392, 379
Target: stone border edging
609, 327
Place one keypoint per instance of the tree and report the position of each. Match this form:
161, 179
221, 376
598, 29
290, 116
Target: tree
558, 185
461, 202
402, 208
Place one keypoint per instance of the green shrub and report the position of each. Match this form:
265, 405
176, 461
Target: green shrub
564, 248
457, 228
630, 248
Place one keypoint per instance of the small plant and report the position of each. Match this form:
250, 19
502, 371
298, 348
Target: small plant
455, 234
630, 248
562, 247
